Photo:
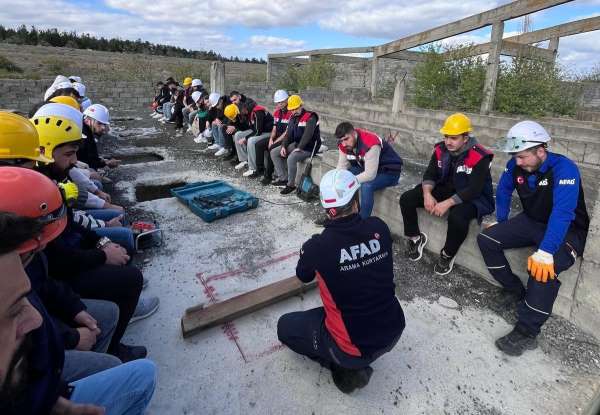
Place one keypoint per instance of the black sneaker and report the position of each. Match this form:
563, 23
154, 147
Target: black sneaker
234, 160
347, 380
287, 190
444, 264
254, 175
414, 252
516, 342
128, 353
279, 183
229, 157
265, 181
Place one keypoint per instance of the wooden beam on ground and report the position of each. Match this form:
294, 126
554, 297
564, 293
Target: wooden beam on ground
198, 318
331, 51
491, 76
506, 12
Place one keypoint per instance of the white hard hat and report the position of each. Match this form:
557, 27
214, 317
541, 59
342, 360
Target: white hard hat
196, 95
99, 113
524, 135
59, 79
49, 92
280, 95
337, 188
80, 88
213, 99
86, 103
60, 110
74, 78
64, 85
196, 82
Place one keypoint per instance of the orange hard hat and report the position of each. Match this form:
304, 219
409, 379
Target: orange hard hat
26, 192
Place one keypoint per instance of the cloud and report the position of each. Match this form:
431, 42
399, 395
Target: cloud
276, 43
380, 19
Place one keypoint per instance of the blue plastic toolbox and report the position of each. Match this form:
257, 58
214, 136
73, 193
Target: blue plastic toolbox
215, 199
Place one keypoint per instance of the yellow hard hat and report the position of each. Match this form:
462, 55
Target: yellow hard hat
187, 81
456, 124
231, 111
294, 102
70, 101
57, 124
19, 139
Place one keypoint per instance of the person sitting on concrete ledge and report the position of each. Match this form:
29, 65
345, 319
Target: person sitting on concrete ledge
352, 260
261, 124
301, 139
457, 181
281, 118
373, 160
554, 220
237, 127
215, 122
96, 123
32, 352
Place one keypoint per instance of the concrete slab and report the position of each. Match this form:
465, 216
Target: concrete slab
445, 363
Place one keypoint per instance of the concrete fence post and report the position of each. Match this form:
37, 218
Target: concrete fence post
374, 64
491, 76
217, 77
399, 100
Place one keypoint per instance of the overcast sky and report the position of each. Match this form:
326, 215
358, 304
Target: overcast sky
253, 28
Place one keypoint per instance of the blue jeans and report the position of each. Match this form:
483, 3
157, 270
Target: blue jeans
80, 364
123, 390
367, 189
217, 133
121, 235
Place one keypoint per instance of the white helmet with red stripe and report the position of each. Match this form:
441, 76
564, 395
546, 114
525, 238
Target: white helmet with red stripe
337, 188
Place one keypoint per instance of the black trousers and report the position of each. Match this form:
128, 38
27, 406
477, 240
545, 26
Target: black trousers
519, 232
120, 284
305, 333
459, 216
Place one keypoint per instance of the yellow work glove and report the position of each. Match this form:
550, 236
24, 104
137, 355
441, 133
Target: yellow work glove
70, 192
541, 266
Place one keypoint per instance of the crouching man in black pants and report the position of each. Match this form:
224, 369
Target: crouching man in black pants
361, 318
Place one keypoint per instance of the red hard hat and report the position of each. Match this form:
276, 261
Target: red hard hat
28, 193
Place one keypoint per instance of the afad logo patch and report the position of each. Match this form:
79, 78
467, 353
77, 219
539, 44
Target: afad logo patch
566, 181
543, 182
520, 179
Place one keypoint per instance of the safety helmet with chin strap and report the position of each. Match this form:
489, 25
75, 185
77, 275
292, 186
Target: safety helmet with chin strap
524, 135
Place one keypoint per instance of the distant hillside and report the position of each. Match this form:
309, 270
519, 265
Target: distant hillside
37, 62
74, 40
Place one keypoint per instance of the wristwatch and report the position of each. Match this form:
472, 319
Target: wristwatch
103, 242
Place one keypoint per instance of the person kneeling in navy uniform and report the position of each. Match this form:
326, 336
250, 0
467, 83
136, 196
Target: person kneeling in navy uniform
361, 318
554, 220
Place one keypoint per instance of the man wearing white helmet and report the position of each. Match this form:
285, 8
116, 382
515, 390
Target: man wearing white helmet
190, 104
554, 220
96, 123
352, 260
281, 118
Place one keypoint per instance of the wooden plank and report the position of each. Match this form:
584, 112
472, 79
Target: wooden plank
554, 32
407, 55
506, 12
508, 49
331, 51
196, 319
491, 76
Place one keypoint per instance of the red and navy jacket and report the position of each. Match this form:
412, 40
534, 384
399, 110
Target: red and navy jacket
389, 160
261, 120
459, 170
296, 127
281, 118
352, 261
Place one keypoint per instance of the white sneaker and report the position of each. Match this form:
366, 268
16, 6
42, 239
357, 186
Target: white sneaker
214, 147
189, 130
221, 152
248, 173
197, 140
157, 115
152, 114
241, 165
201, 139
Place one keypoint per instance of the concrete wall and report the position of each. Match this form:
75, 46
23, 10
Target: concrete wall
591, 95
21, 95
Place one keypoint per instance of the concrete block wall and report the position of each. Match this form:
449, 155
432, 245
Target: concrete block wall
591, 95
21, 95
